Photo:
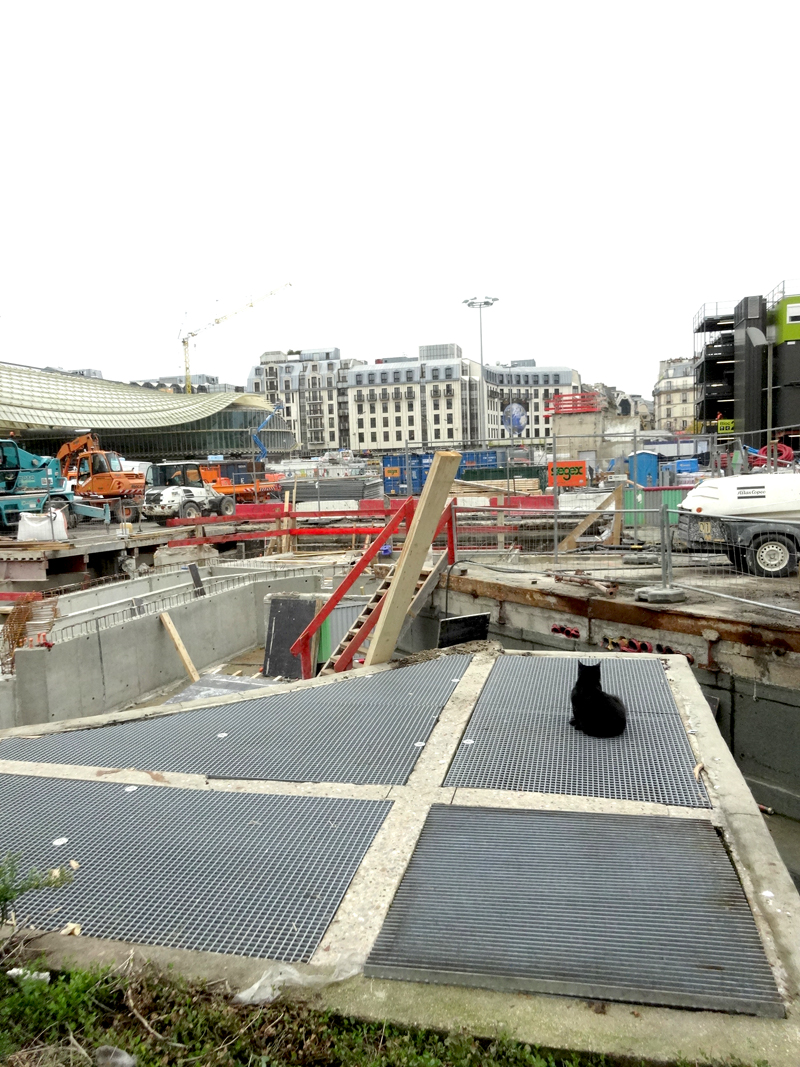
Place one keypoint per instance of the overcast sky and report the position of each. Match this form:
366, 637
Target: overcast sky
602, 168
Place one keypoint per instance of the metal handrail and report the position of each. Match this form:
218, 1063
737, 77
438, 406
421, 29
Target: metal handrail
154, 607
302, 646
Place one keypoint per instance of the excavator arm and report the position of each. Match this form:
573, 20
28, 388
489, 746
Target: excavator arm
68, 454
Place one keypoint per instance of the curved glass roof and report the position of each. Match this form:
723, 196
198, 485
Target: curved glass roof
31, 398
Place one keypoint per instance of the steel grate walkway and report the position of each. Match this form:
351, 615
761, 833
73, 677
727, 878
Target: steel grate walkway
646, 909
235, 873
363, 730
519, 737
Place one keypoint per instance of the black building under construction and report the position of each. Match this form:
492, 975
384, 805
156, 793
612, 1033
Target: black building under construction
731, 376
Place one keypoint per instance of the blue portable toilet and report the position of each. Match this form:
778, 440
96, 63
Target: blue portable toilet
643, 467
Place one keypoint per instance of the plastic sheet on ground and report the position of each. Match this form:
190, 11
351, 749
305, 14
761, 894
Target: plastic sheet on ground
280, 977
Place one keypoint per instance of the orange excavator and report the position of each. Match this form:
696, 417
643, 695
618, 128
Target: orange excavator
99, 474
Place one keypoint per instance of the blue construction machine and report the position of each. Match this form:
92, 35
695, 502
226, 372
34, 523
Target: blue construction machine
30, 483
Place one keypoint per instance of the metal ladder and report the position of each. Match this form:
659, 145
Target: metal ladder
374, 602
368, 618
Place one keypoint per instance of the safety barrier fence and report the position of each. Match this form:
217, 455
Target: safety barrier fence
750, 561
614, 542
745, 559
149, 603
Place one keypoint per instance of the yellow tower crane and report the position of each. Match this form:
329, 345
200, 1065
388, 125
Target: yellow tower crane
215, 322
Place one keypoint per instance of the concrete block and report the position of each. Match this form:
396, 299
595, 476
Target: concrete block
657, 594
200, 554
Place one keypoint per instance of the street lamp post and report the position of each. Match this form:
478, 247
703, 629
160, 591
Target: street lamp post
481, 302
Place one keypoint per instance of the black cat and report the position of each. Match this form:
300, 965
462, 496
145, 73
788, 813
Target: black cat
594, 712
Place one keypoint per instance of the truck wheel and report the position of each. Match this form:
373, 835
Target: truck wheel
772, 556
227, 506
190, 510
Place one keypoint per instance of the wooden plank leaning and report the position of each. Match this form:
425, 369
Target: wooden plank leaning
186, 659
419, 540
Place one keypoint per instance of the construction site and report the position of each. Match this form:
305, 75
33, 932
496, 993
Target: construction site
355, 679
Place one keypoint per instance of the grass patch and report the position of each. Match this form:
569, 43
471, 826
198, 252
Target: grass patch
164, 1020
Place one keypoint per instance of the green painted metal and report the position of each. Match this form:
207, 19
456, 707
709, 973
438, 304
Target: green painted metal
640, 505
784, 331
324, 648
497, 474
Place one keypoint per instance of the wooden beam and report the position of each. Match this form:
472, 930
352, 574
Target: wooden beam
570, 542
186, 660
616, 529
419, 540
424, 593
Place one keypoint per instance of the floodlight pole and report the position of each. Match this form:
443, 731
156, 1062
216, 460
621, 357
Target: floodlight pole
480, 303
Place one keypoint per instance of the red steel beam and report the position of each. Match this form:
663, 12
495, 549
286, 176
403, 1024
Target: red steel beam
302, 645
207, 520
260, 535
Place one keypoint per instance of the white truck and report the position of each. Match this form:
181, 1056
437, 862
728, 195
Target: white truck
177, 490
754, 518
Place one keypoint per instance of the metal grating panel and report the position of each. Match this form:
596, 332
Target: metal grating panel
519, 736
364, 730
253, 875
615, 907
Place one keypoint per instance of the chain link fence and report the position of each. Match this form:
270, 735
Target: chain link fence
612, 545
746, 559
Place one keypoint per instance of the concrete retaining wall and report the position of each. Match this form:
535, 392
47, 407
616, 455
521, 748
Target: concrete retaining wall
124, 664
8, 701
103, 595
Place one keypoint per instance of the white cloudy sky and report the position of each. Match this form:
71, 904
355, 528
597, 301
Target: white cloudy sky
602, 168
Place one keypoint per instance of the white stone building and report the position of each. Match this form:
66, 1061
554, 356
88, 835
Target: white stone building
330, 403
311, 384
419, 401
533, 387
673, 395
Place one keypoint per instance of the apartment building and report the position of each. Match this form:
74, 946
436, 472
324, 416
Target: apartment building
330, 403
673, 395
419, 401
523, 382
312, 386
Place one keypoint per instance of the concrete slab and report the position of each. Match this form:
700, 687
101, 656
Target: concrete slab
662, 1034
